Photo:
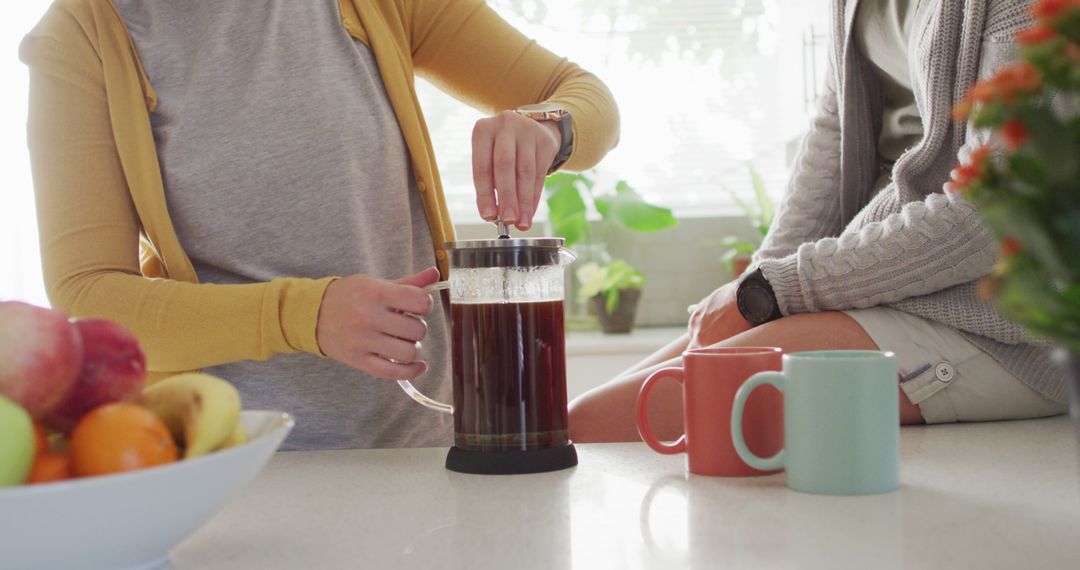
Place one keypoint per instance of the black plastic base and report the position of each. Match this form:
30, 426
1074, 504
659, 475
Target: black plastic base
511, 462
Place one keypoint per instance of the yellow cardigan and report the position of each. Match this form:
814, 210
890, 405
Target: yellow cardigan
108, 246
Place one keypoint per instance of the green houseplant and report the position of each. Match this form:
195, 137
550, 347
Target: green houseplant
612, 291
1026, 182
760, 213
614, 284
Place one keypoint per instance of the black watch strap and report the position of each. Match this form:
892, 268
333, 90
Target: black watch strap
566, 130
756, 299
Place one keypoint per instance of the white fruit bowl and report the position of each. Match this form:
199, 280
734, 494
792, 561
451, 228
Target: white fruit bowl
132, 520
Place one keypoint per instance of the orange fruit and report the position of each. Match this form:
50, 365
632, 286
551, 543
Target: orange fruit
49, 467
41, 442
119, 437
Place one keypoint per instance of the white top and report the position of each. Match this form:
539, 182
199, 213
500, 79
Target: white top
996, 495
883, 32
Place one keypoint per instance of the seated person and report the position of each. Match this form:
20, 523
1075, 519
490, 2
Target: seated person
868, 250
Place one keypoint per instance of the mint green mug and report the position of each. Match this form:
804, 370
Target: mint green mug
841, 422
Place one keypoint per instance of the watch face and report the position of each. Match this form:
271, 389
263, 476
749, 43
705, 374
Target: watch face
757, 303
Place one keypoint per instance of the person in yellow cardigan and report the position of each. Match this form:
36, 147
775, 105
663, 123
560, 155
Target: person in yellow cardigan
251, 188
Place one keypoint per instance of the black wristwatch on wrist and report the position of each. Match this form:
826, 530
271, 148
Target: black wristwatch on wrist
756, 299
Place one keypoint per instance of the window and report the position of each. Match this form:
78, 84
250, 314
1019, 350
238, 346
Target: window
20, 265
705, 87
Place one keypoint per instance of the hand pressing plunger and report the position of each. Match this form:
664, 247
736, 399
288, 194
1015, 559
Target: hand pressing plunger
511, 157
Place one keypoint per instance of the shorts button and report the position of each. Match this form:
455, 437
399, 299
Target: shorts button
945, 372
421, 186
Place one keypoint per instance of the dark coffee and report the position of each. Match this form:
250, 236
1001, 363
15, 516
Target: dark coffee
509, 376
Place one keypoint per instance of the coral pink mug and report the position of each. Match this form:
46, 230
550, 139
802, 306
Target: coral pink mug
710, 377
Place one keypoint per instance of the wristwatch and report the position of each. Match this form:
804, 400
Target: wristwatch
553, 112
756, 300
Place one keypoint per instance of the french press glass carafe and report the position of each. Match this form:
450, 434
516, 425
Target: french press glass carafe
509, 358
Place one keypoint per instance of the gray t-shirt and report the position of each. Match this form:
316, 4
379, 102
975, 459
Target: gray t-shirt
281, 156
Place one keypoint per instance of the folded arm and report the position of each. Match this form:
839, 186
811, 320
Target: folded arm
924, 247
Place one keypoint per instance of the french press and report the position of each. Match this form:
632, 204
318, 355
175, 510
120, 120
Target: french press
509, 357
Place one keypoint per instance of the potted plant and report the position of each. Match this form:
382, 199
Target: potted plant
738, 252
612, 292
1026, 183
614, 283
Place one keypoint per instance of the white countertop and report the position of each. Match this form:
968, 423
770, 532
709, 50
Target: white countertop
997, 495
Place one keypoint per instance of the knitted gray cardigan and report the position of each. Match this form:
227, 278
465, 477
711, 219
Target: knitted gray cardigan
911, 247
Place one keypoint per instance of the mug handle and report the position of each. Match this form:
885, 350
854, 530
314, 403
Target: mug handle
643, 417
411, 390
776, 379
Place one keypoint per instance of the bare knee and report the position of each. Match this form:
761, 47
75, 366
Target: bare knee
805, 332
594, 419
608, 413
819, 331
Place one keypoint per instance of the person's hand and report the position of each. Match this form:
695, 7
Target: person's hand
716, 317
362, 323
511, 156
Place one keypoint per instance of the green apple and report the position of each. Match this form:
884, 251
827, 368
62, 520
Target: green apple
16, 443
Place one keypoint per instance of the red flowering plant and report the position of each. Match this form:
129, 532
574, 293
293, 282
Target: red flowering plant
1026, 183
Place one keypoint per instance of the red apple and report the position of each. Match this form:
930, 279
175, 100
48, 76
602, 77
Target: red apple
40, 356
113, 370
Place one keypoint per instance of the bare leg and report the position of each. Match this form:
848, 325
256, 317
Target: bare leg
606, 413
672, 350
665, 397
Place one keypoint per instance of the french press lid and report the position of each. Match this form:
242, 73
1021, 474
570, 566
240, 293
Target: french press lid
505, 252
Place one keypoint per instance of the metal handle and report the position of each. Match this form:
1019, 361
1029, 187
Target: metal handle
411, 390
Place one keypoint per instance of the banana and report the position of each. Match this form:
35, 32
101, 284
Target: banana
239, 436
200, 410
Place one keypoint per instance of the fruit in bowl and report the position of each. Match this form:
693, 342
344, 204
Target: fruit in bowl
184, 416
131, 520
200, 410
93, 396
41, 354
128, 471
17, 443
113, 370
119, 437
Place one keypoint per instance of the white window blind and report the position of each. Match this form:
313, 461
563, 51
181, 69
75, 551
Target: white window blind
705, 87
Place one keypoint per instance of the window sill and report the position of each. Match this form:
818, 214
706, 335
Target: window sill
642, 340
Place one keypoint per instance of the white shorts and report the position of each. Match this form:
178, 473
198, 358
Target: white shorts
948, 377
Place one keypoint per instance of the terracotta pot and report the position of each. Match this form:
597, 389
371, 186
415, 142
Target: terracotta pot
622, 320
739, 266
